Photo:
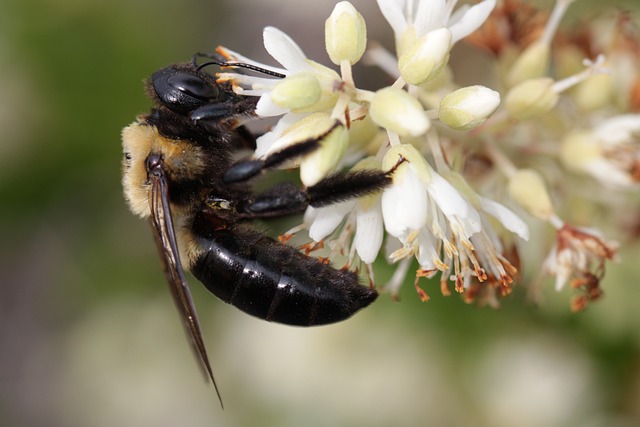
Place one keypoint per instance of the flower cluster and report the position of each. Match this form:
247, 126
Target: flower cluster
559, 117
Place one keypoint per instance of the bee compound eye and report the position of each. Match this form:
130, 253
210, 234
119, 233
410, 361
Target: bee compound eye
183, 90
193, 85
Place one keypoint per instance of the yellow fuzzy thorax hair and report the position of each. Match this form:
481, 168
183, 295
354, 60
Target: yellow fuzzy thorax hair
182, 161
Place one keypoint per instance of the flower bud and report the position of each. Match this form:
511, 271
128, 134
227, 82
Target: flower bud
345, 34
296, 91
399, 112
423, 59
531, 98
468, 107
578, 150
368, 163
311, 126
286, 134
325, 158
532, 63
527, 188
412, 157
595, 92
364, 134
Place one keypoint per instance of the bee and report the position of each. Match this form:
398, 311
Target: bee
180, 171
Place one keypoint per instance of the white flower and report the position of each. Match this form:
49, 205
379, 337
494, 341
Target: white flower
443, 223
418, 198
580, 254
292, 129
325, 220
304, 98
425, 31
423, 16
610, 152
369, 230
284, 50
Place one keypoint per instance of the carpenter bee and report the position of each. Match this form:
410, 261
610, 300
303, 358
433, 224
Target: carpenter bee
179, 170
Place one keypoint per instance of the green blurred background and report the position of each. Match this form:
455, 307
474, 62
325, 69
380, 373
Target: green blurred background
89, 335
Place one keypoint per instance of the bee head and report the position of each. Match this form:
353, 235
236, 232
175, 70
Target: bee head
183, 88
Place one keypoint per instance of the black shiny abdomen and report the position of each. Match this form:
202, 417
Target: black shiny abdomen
275, 282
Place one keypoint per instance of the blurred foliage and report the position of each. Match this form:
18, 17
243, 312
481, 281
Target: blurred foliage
89, 336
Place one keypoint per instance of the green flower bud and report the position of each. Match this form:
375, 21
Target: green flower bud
297, 91
423, 59
595, 92
468, 107
527, 188
531, 98
326, 158
531, 64
345, 34
399, 112
412, 157
578, 150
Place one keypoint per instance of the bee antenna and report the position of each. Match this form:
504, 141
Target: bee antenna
243, 65
206, 64
254, 68
194, 61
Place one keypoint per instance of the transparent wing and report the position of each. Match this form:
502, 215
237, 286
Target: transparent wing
164, 234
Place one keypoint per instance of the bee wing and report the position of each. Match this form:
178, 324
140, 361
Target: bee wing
164, 234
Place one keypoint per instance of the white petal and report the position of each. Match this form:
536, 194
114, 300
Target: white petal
369, 232
506, 217
267, 108
452, 204
328, 218
309, 215
426, 250
393, 13
249, 81
609, 173
404, 204
564, 268
618, 129
266, 143
391, 198
472, 20
284, 50
430, 16
458, 14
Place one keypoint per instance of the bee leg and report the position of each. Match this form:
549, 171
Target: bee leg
286, 198
231, 109
280, 200
247, 169
340, 187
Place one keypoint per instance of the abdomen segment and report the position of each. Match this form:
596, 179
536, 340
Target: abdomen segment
275, 282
